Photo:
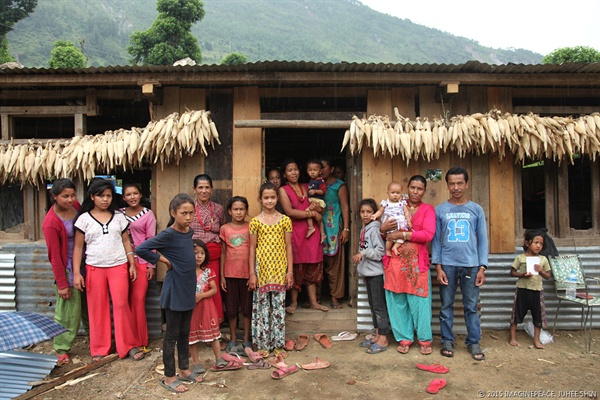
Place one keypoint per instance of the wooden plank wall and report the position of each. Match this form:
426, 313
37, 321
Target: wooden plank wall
174, 179
501, 180
248, 154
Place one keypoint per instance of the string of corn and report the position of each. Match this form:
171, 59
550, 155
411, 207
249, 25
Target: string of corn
165, 141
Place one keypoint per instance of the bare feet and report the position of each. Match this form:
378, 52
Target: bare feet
310, 231
538, 344
513, 342
318, 306
323, 237
291, 308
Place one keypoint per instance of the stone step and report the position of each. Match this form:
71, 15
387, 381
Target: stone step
315, 321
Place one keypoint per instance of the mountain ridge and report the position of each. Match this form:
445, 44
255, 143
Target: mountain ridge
262, 30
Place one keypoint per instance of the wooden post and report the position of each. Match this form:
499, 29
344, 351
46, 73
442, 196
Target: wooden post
80, 125
247, 158
6, 122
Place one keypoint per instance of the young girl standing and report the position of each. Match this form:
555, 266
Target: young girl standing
371, 251
204, 326
530, 290
177, 298
142, 226
235, 251
60, 238
271, 255
109, 268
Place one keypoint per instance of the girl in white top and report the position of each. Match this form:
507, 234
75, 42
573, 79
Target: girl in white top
110, 266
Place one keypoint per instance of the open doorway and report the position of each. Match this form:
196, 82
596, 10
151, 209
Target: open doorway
303, 145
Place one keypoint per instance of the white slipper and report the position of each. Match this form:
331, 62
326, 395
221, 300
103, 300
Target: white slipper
345, 335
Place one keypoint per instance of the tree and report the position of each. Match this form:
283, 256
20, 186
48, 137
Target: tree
66, 55
234, 59
578, 54
11, 12
170, 37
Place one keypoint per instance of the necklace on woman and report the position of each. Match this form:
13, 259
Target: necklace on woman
299, 193
413, 207
269, 217
210, 214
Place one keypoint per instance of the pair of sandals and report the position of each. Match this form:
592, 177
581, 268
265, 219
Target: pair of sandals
474, 349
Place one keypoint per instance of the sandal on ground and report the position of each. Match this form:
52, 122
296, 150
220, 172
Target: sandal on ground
252, 355
259, 364
134, 352
366, 343
447, 349
192, 378
277, 362
403, 346
425, 348
316, 363
230, 366
336, 306
476, 352
435, 368
172, 387
345, 335
63, 359
263, 353
97, 358
233, 357
435, 385
376, 348
302, 341
246, 345
280, 352
289, 345
230, 346
198, 369
283, 372
323, 339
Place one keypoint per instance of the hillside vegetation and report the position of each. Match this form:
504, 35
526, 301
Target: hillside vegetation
262, 30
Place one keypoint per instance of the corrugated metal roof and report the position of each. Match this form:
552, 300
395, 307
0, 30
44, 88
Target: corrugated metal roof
497, 294
8, 282
307, 66
18, 368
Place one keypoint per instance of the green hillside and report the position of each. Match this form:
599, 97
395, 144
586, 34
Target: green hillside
263, 30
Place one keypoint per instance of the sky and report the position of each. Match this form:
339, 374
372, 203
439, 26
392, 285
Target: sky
537, 25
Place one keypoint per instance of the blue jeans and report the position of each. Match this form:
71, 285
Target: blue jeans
470, 298
376, 296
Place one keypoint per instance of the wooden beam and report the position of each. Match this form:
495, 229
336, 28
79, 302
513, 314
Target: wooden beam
91, 101
313, 116
6, 126
23, 111
80, 125
562, 203
308, 92
278, 78
150, 92
554, 92
291, 124
68, 94
556, 110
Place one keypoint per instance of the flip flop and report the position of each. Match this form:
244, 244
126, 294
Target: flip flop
283, 372
172, 387
316, 363
135, 351
260, 364
198, 369
280, 352
435, 368
229, 367
345, 335
436, 385
302, 341
252, 355
404, 346
425, 348
323, 339
289, 345
192, 378
233, 357
476, 352
376, 348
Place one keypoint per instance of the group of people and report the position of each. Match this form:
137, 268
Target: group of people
297, 238
394, 260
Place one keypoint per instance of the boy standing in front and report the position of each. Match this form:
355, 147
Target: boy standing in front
460, 256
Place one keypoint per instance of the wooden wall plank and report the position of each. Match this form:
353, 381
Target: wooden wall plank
404, 99
595, 177
377, 171
502, 201
562, 201
479, 184
189, 167
477, 99
6, 126
551, 190
428, 107
248, 154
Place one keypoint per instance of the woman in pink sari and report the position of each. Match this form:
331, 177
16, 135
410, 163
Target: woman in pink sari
407, 279
307, 252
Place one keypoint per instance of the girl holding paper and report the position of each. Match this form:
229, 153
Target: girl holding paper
530, 291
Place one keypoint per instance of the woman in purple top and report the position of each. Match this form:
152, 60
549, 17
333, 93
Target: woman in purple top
307, 251
142, 226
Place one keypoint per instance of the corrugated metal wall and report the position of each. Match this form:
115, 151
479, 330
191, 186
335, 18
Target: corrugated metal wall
35, 284
496, 296
7, 282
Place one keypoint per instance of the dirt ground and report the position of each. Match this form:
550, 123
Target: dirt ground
562, 370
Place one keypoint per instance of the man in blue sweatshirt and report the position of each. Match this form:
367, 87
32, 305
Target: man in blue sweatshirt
460, 256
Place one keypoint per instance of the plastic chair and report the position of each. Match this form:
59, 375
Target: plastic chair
561, 267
